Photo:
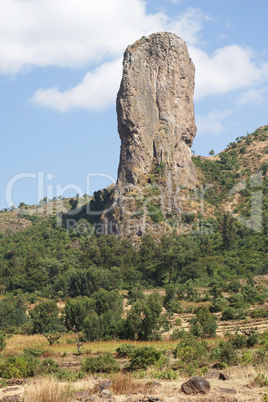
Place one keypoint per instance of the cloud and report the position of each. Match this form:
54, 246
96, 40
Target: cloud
75, 33
229, 68
256, 96
213, 122
71, 33
188, 24
95, 92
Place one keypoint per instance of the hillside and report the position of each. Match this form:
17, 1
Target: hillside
232, 175
188, 304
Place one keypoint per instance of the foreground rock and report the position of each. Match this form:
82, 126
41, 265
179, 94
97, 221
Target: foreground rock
196, 385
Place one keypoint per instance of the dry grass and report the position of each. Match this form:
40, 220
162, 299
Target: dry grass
17, 343
125, 384
47, 390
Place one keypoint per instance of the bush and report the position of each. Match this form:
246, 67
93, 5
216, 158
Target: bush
225, 353
35, 352
190, 350
125, 349
232, 314
177, 334
48, 366
104, 363
21, 366
204, 324
143, 357
260, 380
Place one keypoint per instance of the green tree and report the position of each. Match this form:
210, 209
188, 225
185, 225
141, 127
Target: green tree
203, 324
45, 320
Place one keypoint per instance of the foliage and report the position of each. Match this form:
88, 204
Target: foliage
190, 351
125, 350
225, 353
2, 341
45, 318
143, 357
203, 324
104, 363
19, 366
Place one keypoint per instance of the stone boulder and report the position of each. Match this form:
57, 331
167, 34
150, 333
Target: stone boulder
196, 385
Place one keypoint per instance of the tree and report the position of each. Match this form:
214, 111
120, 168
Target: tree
45, 320
203, 324
211, 153
76, 310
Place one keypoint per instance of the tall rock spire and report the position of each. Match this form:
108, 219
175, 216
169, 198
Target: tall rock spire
155, 110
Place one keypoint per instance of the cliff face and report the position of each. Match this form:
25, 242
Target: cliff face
155, 110
156, 125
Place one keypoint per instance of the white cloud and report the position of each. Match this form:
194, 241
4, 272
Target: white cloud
95, 92
213, 122
229, 68
254, 96
73, 32
188, 25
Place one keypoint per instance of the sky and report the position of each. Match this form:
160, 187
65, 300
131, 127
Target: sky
60, 70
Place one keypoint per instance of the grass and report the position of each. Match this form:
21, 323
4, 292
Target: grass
125, 384
48, 390
17, 343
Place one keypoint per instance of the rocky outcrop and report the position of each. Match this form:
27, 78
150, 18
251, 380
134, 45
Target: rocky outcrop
155, 110
156, 125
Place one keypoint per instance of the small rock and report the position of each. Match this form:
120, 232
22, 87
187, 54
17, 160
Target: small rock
106, 384
213, 374
105, 394
224, 377
196, 385
83, 396
11, 398
228, 391
11, 389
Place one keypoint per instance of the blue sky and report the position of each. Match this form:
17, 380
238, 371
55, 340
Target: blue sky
60, 69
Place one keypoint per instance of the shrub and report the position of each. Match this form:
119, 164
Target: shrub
260, 380
239, 341
166, 375
36, 352
190, 351
232, 314
204, 324
21, 366
219, 304
125, 349
104, 363
177, 334
143, 357
48, 366
2, 341
225, 353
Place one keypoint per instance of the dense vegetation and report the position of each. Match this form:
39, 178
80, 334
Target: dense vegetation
102, 282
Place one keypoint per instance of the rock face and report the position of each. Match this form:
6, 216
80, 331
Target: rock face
155, 110
156, 125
